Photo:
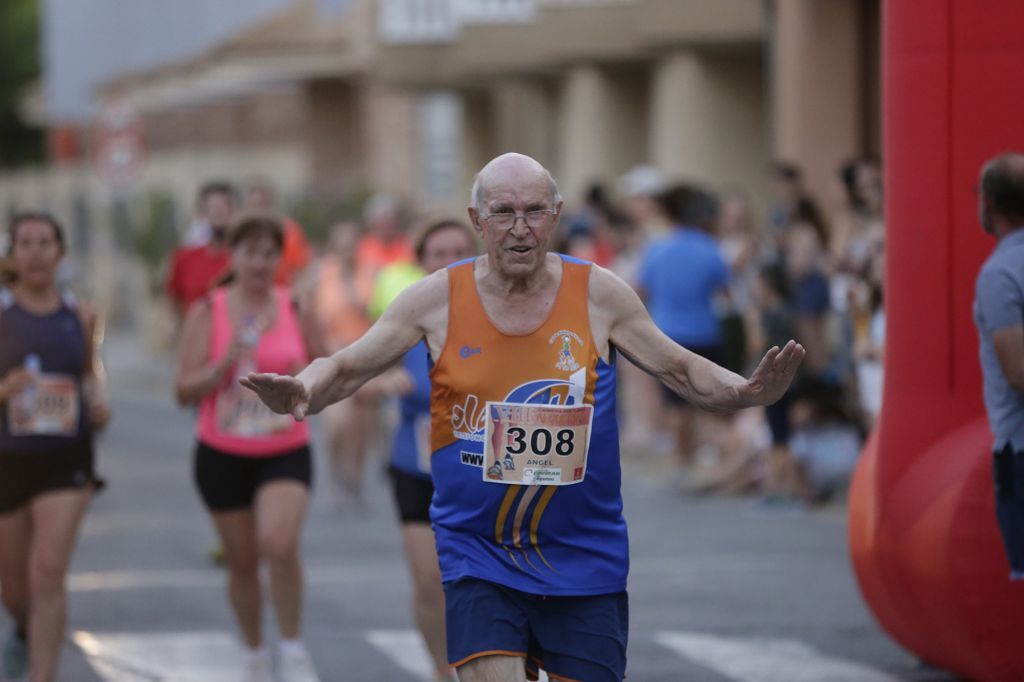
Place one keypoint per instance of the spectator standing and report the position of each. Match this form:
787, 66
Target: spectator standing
858, 223
645, 217
679, 276
999, 316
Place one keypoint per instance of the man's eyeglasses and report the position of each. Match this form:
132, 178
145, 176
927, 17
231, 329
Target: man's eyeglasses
506, 220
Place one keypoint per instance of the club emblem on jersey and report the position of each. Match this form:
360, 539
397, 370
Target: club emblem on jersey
566, 361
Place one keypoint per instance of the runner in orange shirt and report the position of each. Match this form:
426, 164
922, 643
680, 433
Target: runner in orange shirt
384, 243
339, 300
296, 254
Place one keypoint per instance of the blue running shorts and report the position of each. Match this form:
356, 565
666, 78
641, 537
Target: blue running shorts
571, 638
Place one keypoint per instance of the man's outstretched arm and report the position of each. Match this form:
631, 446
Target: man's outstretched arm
328, 380
698, 380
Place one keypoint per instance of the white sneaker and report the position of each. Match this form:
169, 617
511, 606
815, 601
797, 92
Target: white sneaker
294, 663
258, 667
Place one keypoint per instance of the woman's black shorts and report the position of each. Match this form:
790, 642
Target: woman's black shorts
24, 476
412, 494
227, 482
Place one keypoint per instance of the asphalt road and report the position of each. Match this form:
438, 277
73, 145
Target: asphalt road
717, 591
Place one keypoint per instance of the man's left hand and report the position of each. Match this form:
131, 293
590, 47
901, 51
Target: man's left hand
773, 375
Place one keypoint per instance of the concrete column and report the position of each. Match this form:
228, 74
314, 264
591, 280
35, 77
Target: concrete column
478, 139
817, 107
706, 119
585, 130
524, 114
334, 145
390, 139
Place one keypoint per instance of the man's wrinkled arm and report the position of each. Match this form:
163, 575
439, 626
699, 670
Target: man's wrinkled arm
696, 379
400, 328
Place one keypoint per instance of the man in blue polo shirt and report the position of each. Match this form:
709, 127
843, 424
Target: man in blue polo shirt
679, 277
999, 316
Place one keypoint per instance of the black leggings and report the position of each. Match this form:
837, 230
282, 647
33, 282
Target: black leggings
227, 482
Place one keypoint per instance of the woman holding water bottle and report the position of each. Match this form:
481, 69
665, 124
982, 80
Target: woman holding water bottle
50, 404
253, 468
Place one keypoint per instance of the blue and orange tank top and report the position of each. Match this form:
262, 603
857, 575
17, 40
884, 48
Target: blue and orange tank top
59, 418
541, 539
232, 419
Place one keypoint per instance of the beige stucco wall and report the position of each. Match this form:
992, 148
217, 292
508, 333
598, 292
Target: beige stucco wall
525, 111
601, 127
107, 271
708, 119
816, 101
388, 126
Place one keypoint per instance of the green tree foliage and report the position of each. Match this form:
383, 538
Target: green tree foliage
19, 68
155, 235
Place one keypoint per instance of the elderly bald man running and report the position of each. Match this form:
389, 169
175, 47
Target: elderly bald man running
525, 453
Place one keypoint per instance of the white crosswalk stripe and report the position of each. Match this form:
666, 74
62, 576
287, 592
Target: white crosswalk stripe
766, 659
405, 649
199, 656
215, 656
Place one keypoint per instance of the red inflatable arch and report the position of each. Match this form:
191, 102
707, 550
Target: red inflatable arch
923, 533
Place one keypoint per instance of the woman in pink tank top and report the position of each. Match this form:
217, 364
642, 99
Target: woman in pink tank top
253, 468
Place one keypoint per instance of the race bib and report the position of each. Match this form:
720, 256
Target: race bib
52, 412
241, 413
528, 444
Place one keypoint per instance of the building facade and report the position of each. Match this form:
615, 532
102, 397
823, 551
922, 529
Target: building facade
707, 91
328, 98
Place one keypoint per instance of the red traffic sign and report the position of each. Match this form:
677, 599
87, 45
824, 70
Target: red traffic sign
119, 147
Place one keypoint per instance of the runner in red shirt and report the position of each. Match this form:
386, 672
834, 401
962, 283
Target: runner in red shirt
195, 269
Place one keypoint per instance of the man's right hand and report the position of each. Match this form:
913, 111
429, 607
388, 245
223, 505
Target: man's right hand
281, 393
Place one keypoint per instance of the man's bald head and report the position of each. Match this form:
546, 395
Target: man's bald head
510, 168
1002, 186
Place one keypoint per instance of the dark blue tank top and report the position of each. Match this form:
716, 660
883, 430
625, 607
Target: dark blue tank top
59, 340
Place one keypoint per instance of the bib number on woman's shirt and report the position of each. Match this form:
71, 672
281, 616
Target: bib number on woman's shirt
529, 444
240, 413
53, 412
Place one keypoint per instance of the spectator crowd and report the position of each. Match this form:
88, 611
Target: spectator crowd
721, 276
